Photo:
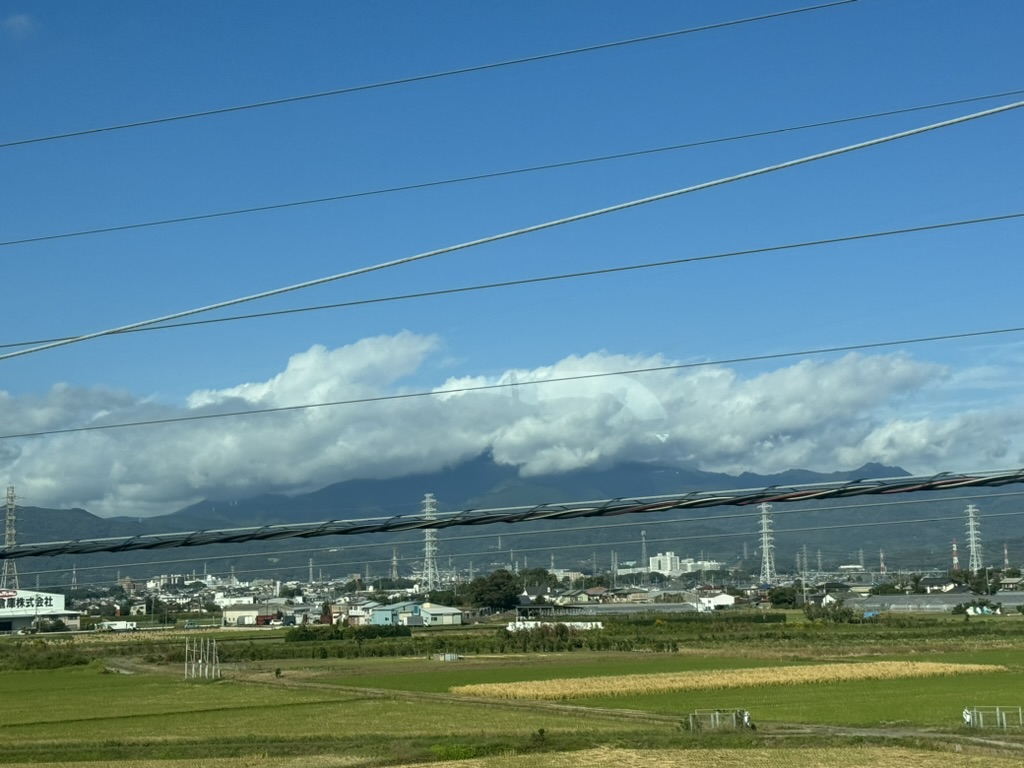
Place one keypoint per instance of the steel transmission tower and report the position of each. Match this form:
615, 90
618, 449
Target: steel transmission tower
430, 573
9, 580
394, 564
645, 563
974, 539
767, 546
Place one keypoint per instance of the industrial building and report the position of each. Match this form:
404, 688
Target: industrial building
25, 609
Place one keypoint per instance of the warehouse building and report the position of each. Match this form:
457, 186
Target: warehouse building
26, 610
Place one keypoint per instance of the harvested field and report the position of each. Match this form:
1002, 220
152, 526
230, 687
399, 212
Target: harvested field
850, 757
630, 685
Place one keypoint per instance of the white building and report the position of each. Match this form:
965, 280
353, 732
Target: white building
716, 602
24, 608
670, 564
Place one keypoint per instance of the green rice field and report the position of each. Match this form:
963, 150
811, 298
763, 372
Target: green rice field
400, 712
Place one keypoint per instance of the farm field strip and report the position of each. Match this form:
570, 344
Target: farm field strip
606, 757
626, 685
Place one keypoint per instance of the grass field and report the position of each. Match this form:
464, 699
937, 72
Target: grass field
394, 712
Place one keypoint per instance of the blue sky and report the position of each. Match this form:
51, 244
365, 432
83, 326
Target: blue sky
65, 67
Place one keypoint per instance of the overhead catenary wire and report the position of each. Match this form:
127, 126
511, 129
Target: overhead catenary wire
497, 174
418, 78
564, 511
520, 549
587, 215
552, 278
535, 550
783, 513
505, 385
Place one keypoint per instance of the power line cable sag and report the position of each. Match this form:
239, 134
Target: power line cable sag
420, 78
529, 229
357, 551
496, 174
528, 550
507, 385
564, 276
565, 511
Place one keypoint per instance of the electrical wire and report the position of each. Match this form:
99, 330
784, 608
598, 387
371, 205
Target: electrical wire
419, 78
553, 278
529, 229
497, 174
565, 511
504, 385
547, 532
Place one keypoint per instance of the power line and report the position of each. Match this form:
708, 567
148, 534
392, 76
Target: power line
529, 229
547, 532
508, 385
418, 78
498, 174
566, 511
552, 278
358, 558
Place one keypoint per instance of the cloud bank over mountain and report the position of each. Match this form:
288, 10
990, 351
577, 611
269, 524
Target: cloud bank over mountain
822, 415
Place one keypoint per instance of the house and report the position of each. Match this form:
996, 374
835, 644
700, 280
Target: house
1011, 584
932, 584
596, 593
360, 613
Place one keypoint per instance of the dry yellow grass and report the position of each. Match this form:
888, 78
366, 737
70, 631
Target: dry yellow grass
851, 757
606, 757
629, 685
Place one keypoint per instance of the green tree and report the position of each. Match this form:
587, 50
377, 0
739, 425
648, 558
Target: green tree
835, 612
888, 588
499, 591
783, 597
537, 577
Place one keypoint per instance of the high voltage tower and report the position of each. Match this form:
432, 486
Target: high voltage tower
430, 574
645, 563
974, 539
767, 545
9, 580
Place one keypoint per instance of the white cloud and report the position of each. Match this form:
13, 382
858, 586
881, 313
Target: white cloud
822, 415
19, 25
